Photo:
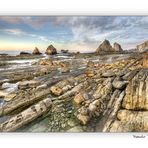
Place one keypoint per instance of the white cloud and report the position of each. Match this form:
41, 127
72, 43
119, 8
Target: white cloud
19, 32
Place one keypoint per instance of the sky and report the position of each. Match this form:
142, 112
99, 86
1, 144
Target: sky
75, 33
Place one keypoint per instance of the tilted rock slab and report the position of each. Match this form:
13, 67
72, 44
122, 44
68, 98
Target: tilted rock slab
130, 121
136, 97
26, 116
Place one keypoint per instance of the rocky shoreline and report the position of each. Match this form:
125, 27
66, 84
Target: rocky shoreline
82, 93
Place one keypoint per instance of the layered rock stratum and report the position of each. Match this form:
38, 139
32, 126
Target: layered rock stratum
85, 93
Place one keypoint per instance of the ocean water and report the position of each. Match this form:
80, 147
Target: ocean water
12, 52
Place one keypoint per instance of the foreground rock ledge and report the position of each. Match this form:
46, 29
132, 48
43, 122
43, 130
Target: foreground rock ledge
107, 97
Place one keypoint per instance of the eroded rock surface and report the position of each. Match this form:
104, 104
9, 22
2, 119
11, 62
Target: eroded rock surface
76, 95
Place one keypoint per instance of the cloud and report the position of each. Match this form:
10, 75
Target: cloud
87, 31
19, 32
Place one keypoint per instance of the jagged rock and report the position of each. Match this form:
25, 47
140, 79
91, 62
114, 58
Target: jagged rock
136, 97
117, 47
45, 62
143, 47
64, 67
80, 97
51, 50
105, 47
103, 89
130, 121
90, 72
36, 51
84, 119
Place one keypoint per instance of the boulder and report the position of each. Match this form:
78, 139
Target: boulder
80, 97
57, 91
64, 67
51, 50
90, 72
36, 51
92, 107
28, 84
84, 119
117, 47
105, 47
142, 47
119, 84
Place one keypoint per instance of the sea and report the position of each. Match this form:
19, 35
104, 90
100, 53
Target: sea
13, 52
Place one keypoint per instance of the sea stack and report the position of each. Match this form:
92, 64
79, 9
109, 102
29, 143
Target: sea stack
104, 47
117, 47
36, 51
51, 50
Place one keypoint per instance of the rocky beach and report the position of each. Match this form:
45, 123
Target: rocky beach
104, 91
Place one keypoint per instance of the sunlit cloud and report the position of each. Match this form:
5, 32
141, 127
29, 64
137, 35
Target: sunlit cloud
83, 33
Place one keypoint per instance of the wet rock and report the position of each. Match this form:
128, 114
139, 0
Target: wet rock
51, 50
36, 51
9, 87
9, 97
